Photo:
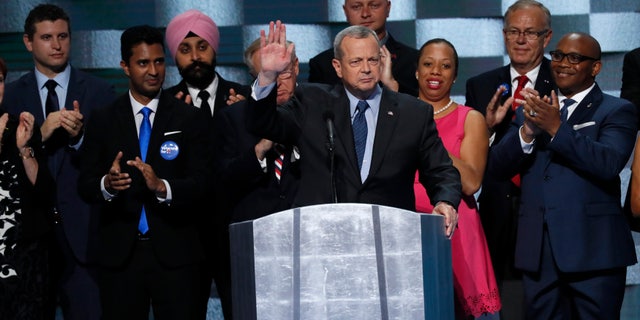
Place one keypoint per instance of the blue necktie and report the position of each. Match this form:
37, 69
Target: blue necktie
565, 109
145, 134
360, 130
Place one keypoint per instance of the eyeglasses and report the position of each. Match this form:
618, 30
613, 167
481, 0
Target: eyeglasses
573, 58
513, 34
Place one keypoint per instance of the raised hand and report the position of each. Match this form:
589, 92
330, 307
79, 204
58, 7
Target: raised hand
24, 131
387, 76
495, 112
275, 55
542, 112
71, 121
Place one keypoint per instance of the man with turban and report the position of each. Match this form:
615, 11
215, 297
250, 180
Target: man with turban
193, 39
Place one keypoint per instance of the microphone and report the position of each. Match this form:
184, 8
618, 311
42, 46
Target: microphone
327, 116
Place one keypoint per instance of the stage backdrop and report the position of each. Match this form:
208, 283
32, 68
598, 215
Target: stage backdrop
473, 26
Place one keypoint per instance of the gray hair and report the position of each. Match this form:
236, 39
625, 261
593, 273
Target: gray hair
524, 4
358, 32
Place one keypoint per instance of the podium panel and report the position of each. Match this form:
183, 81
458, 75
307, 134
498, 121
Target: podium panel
342, 261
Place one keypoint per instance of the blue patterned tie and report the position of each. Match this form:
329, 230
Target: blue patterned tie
145, 134
565, 109
360, 130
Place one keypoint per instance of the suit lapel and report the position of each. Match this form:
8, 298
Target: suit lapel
544, 83
160, 122
342, 121
75, 91
384, 129
587, 107
128, 126
32, 97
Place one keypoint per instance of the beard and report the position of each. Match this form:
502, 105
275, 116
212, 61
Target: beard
199, 74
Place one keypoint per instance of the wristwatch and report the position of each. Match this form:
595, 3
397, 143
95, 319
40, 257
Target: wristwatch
29, 152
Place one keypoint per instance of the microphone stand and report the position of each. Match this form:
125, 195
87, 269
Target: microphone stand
334, 193
328, 117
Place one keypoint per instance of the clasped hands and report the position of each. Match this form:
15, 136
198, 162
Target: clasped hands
540, 113
69, 120
24, 132
116, 180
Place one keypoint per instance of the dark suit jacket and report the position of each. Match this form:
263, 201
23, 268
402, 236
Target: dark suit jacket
222, 92
481, 88
572, 185
406, 140
404, 61
250, 192
172, 226
91, 92
631, 77
496, 196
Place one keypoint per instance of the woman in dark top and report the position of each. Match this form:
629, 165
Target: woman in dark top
26, 197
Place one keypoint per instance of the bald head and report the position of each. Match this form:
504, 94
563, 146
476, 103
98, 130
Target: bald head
589, 44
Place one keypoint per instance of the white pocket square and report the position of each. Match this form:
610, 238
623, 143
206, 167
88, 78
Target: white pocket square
583, 125
171, 132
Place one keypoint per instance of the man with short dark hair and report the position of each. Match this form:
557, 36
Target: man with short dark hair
146, 168
62, 98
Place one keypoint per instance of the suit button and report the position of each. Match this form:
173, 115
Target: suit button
547, 178
282, 196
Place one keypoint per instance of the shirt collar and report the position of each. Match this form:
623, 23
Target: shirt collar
137, 106
578, 97
211, 88
61, 78
373, 100
532, 75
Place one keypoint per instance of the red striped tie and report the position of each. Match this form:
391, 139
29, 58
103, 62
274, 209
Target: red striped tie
278, 164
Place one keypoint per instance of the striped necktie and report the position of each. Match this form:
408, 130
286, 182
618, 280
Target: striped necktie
278, 161
359, 127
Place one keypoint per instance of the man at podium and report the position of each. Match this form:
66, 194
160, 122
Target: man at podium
359, 142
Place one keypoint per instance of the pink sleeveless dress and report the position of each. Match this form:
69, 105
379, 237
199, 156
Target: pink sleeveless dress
473, 278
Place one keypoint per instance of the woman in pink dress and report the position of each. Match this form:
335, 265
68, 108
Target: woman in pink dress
464, 134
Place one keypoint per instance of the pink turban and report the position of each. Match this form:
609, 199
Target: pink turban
191, 21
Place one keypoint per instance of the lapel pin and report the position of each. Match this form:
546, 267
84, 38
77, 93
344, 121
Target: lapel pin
390, 113
589, 105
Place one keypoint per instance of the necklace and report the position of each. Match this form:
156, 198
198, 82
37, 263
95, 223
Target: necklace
444, 108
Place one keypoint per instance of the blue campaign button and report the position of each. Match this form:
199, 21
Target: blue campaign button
506, 92
169, 150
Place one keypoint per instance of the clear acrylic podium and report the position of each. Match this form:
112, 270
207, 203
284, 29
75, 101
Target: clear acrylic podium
342, 261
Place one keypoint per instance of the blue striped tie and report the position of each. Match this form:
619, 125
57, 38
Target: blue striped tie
360, 130
145, 134
565, 109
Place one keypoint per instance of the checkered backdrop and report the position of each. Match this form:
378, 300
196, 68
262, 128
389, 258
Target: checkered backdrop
473, 26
